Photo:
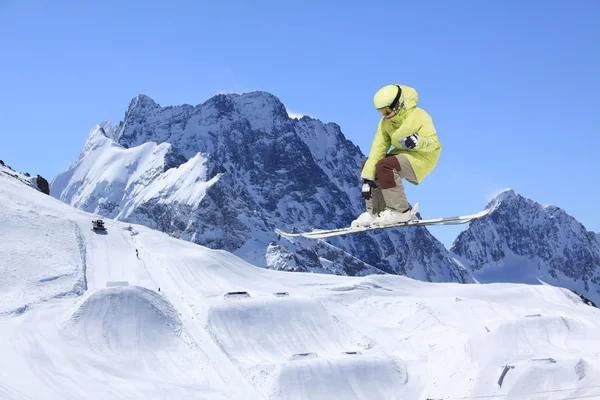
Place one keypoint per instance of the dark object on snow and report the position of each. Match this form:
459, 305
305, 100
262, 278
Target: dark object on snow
299, 356
585, 299
237, 294
42, 184
281, 294
98, 225
503, 374
2, 163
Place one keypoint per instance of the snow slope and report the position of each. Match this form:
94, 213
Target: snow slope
84, 318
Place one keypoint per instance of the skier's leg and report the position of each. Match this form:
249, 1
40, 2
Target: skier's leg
374, 206
376, 203
390, 172
378, 200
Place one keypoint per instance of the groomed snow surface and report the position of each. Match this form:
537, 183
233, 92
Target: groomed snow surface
82, 317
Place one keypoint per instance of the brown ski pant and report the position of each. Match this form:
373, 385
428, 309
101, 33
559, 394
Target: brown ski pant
390, 192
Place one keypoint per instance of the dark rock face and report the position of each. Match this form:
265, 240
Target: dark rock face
585, 299
43, 185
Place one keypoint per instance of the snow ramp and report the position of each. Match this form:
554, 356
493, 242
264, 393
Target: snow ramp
344, 377
544, 351
125, 317
270, 329
291, 348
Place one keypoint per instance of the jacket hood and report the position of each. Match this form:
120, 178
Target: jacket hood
410, 97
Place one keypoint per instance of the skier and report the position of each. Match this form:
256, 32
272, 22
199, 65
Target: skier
416, 149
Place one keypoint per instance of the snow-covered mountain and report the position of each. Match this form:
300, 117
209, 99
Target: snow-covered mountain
226, 173
132, 313
524, 241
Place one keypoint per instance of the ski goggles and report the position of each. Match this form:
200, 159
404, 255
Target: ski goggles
386, 111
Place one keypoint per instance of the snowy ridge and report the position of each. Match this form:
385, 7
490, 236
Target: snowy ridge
524, 241
227, 173
36, 181
220, 328
113, 181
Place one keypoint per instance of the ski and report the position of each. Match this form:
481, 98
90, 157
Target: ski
320, 234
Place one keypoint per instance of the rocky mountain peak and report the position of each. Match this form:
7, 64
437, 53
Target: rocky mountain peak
522, 240
141, 101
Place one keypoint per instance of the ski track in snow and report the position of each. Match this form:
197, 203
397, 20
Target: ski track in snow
67, 335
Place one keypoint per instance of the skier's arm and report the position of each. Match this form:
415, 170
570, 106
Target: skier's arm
428, 139
381, 144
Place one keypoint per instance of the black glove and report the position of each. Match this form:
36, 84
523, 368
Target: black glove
410, 142
367, 186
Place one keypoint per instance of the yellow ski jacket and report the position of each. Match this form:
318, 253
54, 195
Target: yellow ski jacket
409, 119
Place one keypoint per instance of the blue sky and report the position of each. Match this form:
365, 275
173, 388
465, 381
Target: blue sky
513, 87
